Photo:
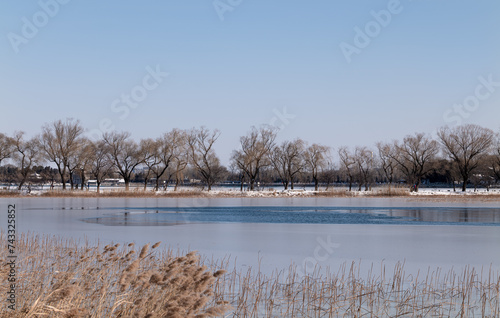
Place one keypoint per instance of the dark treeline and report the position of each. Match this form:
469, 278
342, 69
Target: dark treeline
468, 155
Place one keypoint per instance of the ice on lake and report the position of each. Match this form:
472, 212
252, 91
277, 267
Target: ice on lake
272, 233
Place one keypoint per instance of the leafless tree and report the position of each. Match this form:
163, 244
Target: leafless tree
466, 145
202, 155
77, 161
254, 152
348, 162
5, 147
315, 158
414, 156
26, 155
59, 141
170, 153
386, 154
124, 153
495, 158
238, 172
329, 174
287, 161
101, 163
149, 154
364, 162
179, 165
482, 175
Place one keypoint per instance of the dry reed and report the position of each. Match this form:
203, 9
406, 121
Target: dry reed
61, 278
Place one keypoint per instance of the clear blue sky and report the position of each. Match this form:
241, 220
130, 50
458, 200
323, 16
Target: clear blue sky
238, 72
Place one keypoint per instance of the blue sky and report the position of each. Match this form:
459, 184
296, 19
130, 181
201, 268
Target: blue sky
262, 59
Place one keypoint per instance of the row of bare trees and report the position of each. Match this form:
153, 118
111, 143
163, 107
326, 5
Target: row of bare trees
62, 143
467, 153
289, 159
471, 151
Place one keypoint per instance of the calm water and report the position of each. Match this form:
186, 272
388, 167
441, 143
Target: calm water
273, 232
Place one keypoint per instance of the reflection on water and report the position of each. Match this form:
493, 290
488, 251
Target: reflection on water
300, 215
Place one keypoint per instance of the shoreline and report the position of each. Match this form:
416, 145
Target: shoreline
397, 193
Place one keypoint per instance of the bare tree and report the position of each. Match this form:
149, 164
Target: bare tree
86, 159
179, 164
348, 161
170, 152
149, 154
495, 158
329, 174
254, 152
5, 147
101, 163
386, 154
466, 145
315, 158
413, 157
124, 153
59, 141
288, 161
26, 154
364, 162
77, 162
202, 155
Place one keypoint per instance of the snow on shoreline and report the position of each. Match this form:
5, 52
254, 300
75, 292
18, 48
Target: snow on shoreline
269, 192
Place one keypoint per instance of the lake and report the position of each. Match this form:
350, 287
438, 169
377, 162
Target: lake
273, 232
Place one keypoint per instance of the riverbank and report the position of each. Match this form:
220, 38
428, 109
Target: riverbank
441, 194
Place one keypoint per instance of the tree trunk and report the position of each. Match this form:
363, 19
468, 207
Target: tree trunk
316, 184
71, 182
252, 184
285, 185
127, 184
82, 177
62, 173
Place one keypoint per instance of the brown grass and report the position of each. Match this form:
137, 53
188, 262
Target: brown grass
383, 191
59, 278
345, 293
9, 193
133, 193
139, 193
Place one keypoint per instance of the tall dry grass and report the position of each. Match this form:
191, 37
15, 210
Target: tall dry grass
57, 278
60, 278
347, 293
